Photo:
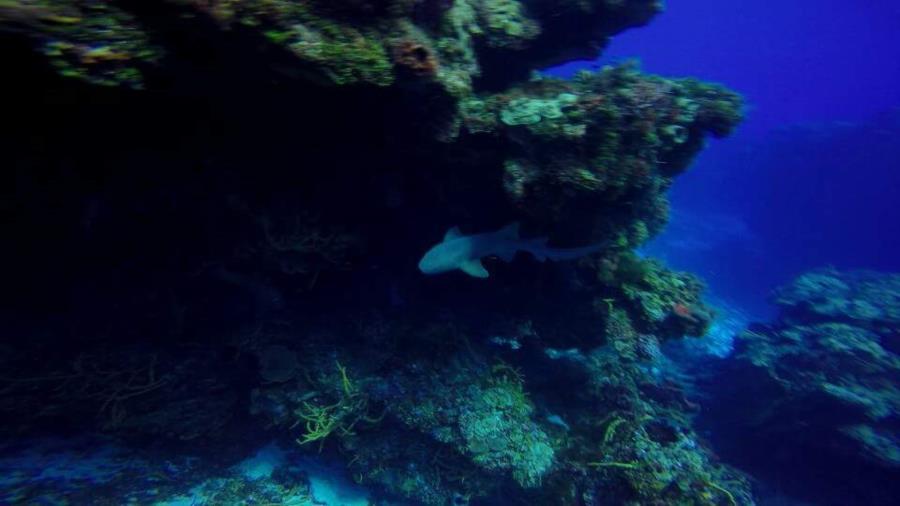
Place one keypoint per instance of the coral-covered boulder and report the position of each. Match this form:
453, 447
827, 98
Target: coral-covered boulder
864, 298
820, 385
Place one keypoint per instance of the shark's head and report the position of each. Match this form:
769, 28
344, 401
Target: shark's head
437, 261
464, 253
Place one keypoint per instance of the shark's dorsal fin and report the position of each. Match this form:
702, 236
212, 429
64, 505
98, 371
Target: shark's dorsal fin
451, 234
474, 268
510, 231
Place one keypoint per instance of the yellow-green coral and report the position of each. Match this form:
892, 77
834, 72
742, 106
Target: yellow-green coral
611, 429
620, 465
528, 111
506, 24
347, 55
322, 420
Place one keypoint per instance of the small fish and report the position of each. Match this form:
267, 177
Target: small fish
464, 252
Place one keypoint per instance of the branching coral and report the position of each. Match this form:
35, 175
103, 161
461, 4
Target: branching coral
96, 380
610, 431
119, 389
300, 244
322, 420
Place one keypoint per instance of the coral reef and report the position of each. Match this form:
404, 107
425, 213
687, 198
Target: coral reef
624, 132
343, 42
822, 379
130, 392
232, 197
94, 41
467, 423
486, 416
646, 449
869, 300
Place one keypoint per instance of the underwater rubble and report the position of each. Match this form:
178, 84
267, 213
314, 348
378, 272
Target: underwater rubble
217, 214
813, 396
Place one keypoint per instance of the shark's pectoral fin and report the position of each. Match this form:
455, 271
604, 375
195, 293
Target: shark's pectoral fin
474, 268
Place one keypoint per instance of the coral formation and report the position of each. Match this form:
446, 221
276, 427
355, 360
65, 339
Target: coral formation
487, 417
230, 226
823, 379
505, 23
600, 138
463, 424
93, 41
342, 42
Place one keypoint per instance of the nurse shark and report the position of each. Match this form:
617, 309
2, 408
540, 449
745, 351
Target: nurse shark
464, 252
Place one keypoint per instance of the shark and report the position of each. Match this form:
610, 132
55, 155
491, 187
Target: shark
464, 252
